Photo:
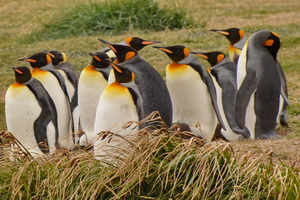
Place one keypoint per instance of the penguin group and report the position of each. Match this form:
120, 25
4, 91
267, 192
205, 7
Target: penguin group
243, 96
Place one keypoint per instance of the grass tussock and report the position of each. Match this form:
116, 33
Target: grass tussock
113, 17
161, 165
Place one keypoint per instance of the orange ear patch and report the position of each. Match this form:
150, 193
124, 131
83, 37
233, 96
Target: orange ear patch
186, 52
49, 60
269, 43
128, 40
220, 57
129, 55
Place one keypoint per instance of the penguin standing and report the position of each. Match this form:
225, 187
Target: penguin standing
259, 85
152, 87
92, 81
119, 103
192, 92
237, 40
134, 42
54, 83
31, 114
68, 71
224, 77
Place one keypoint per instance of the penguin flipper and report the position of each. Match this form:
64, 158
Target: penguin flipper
205, 76
47, 115
244, 93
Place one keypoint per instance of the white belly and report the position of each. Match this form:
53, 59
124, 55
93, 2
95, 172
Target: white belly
241, 66
22, 109
112, 114
61, 102
89, 91
192, 103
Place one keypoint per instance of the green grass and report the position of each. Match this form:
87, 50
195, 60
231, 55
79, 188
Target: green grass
112, 17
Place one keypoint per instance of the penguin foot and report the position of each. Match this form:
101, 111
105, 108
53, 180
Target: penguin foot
284, 120
268, 136
244, 132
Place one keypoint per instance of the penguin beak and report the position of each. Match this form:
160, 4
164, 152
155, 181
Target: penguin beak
219, 31
114, 65
27, 60
16, 70
163, 49
147, 42
110, 45
199, 54
95, 57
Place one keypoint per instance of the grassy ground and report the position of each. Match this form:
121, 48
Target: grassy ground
20, 18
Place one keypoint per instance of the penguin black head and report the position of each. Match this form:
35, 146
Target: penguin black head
176, 53
232, 34
58, 57
213, 57
99, 60
22, 74
123, 53
38, 59
138, 43
273, 44
122, 74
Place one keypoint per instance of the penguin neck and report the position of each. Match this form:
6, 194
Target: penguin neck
240, 43
225, 60
47, 67
131, 60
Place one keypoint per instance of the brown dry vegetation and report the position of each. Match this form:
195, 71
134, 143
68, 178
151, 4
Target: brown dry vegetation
18, 18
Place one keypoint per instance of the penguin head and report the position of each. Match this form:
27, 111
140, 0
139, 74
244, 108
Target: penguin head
213, 57
58, 57
22, 74
232, 34
99, 60
123, 53
122, 74
38, 59
138, 43
176, 53
272, 43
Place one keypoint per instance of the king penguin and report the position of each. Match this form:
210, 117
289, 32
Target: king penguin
53, 82
224, 77
134, 42
259, 85
68, 71
152, 87
92, 81
31, 114
237, 39
192, 91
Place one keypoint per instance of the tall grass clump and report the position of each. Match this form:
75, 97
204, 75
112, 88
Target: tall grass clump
113, 17
160, 166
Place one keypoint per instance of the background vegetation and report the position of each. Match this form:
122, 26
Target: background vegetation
250, 170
